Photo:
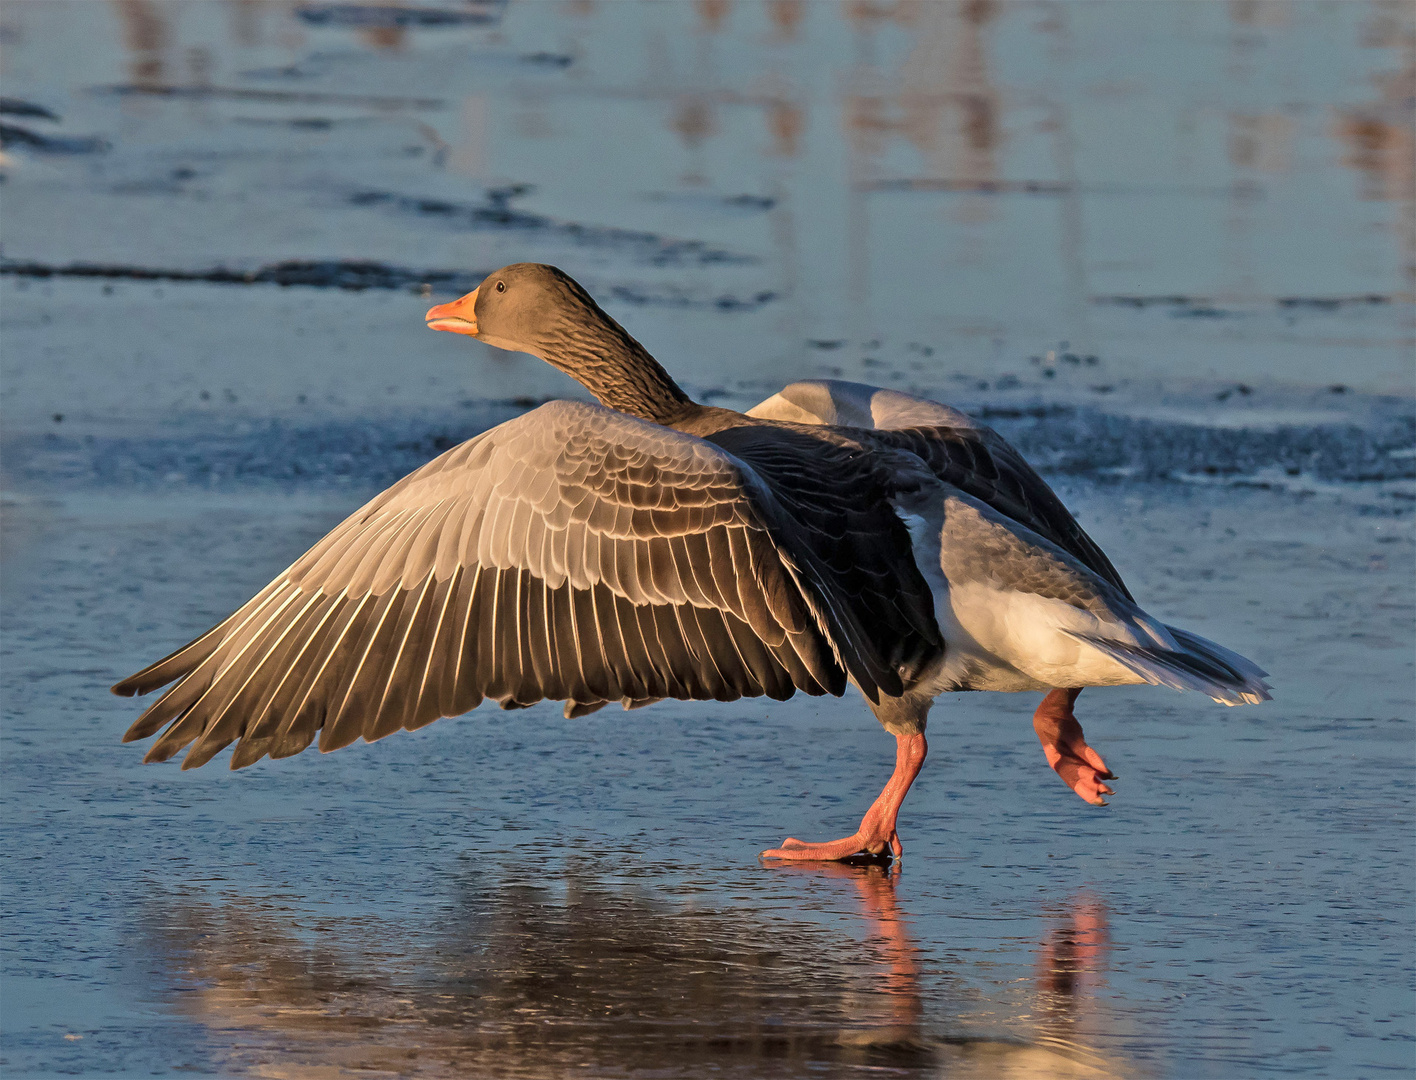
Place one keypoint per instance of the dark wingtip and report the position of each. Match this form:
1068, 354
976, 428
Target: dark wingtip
126, 688
248, 751
141, 728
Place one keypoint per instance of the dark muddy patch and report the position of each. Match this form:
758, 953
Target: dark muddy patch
1203, 305
239, 93
745, 201
354, 275
303, 123
973, 187
389, 16
1090, 443
369, 453
17, 107
994, 413
548, 59
15, 137
496, 212
669, 296
1331, 303
358, 275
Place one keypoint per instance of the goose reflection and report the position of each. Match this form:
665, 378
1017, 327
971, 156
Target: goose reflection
1070, 969
587, 974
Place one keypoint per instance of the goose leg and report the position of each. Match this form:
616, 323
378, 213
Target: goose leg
876, 834
1067, 751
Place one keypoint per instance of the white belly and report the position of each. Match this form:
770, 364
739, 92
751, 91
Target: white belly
1005, 605
1006, 640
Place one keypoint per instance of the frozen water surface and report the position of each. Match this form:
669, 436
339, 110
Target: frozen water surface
1165, 248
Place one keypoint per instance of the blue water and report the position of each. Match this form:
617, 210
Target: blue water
1159, 246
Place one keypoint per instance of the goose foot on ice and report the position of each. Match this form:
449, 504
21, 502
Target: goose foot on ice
876, 835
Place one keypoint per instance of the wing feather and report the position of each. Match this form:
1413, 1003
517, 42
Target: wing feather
424, 701
461, 691
232, 716
283, 667
304, 713
573, 553
959, 450
352, 686
386, 714
187, 694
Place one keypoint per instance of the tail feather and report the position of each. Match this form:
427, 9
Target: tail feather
1241, 665
1199, 664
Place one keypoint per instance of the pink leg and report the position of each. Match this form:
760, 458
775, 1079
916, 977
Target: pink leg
1067, 751
877, 832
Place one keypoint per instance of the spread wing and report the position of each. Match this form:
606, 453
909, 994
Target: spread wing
573, 553
958, 450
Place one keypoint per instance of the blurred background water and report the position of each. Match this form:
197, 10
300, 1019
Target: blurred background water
1167, 248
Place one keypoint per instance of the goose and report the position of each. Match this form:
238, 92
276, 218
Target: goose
648, 547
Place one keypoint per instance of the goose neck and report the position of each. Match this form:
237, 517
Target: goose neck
621, 374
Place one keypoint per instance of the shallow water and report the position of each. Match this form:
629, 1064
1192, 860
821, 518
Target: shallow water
542, 893
1162, 247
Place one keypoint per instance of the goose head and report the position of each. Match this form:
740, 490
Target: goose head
541, 310
515, 308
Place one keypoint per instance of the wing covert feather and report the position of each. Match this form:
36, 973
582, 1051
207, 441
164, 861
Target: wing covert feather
572, 553
957, 448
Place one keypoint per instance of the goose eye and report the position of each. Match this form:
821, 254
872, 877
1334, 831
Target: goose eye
501, 286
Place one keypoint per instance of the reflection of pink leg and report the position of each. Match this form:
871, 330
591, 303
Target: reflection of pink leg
1073, 959
1067, 751
887, 937
882, 914
876, 834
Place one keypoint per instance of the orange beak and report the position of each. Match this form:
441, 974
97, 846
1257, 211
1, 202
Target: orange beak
458, 317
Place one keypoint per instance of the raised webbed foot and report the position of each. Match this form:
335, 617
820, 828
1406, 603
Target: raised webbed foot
1067, 751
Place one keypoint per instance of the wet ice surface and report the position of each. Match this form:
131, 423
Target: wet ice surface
1162, 253
543, 893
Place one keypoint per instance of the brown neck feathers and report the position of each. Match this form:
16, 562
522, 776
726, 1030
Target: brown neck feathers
616, 369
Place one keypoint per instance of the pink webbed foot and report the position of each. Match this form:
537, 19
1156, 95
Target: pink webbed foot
1067, 751
876, 835
834, 850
